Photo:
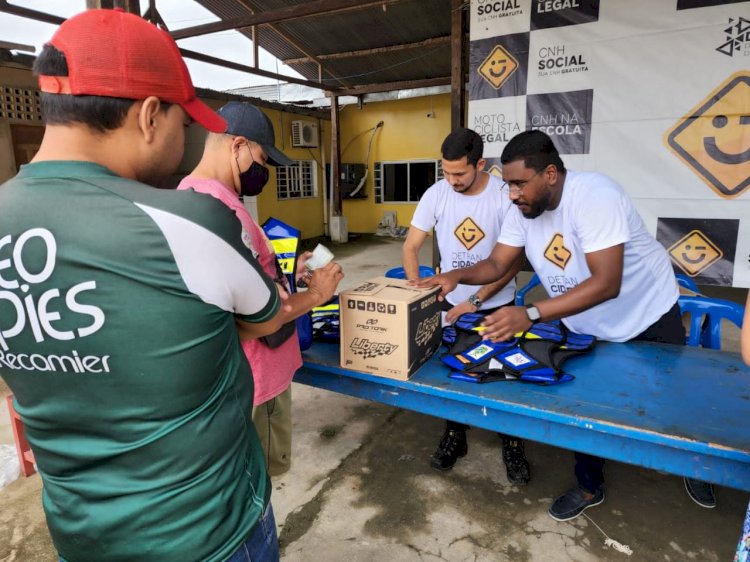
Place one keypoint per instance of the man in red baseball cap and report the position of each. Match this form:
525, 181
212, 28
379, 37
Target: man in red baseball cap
119, 313
111, 53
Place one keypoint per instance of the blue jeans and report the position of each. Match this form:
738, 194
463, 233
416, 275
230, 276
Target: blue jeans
262, 545
667, 329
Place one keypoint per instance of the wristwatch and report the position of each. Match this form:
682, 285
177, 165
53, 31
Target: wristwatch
475, 301
533, 313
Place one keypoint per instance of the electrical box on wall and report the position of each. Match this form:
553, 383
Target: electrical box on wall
351, 175
304, 134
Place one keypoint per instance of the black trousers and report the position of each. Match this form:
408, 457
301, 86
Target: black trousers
667, 329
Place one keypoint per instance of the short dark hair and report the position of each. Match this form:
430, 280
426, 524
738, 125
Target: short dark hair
536, 150
97, 112
463, 142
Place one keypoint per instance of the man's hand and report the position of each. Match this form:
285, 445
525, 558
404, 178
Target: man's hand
504, 323
445, 281
452, 315
324, 281
302, 272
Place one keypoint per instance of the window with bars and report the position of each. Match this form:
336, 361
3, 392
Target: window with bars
405, 181
20, 104
297, 181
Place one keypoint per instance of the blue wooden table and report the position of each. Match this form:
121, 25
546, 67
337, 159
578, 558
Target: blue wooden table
678, 409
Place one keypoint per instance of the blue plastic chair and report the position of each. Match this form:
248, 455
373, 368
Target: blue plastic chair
521, 293
686, 282
706, 315
399, 273
682, 280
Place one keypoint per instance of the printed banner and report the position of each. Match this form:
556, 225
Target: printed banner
653, 93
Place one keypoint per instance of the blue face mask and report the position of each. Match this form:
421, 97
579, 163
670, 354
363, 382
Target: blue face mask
253, 180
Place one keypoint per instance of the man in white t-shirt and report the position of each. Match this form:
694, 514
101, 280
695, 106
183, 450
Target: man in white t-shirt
605, 274
466, 209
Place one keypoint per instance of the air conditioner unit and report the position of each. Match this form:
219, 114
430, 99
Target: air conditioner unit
304, 134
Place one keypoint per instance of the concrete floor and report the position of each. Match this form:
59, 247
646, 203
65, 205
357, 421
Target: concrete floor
361, 489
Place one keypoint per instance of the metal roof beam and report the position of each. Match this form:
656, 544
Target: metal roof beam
309, 57
248, 4
395, 86
252, 70
153, 15
431, 42
458, 63
275, 28
29, 13
17, 47
297, 11
130, 6
322, 113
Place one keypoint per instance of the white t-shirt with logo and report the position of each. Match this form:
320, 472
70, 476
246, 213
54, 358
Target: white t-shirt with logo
467, 228
595, 213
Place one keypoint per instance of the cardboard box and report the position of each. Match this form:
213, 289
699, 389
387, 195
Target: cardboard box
388, 328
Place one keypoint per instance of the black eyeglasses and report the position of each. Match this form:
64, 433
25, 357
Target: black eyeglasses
516, 187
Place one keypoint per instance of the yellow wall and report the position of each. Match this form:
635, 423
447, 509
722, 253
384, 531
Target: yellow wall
407, 134
305, 214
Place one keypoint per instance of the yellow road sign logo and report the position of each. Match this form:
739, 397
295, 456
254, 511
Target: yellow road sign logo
497, 67
714, 138
556, 252
469, 233
495, 170
695, 253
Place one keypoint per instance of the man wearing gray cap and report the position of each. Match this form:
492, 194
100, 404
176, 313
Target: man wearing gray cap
234, 165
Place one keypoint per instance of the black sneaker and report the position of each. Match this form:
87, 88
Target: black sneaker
516, 465
700, 492
572, 503
452, 447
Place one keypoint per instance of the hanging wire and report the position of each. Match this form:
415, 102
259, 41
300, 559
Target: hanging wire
619, 547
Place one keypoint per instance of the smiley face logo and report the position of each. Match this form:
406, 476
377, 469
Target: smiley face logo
694, 253
716, 152
469, 233
557, 253
497, 67
496, 171
714, 138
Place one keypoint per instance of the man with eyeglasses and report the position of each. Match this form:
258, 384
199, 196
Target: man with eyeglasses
466, 209
604, 273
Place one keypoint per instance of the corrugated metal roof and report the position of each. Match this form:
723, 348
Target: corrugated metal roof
375, 27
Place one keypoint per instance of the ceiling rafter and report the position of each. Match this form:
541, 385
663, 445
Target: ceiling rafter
288, 13
29, 13
270, 20
308, 56
431, 42
187, 53
10, 46
393, 86
151, 14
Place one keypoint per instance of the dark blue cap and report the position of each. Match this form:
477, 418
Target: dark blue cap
246, 120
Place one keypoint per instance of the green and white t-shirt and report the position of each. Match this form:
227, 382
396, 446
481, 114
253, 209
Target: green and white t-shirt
117, 336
